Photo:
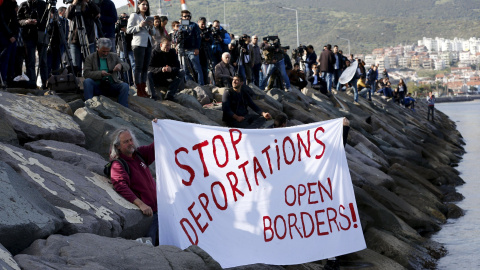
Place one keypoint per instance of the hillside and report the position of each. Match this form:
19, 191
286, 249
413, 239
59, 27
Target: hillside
367, 24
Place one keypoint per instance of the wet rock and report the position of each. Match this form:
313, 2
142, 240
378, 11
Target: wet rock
454, 211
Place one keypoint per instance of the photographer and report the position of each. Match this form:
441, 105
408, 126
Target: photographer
256, 60
274, 60
297, 77
241, 58
108, 18
30, 18
124, 44
221, 39
189, 40
75, 12
205, 48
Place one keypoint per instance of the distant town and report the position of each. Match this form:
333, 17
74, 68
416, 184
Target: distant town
459, 58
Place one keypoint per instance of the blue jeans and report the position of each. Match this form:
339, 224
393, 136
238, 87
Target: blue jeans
270, 69
32, 46
328, 78
76, 53
355, 89
336, 76
153, 229
372, 90
195, 60
91, 88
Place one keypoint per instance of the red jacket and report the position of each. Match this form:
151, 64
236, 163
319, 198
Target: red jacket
141, 183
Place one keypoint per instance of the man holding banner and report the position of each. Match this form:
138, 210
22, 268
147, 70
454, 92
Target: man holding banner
134, 181
279, 196
235, 103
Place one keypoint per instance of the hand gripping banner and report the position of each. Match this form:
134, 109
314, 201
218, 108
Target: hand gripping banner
276, 196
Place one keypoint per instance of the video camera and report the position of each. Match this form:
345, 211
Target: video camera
273, 42
298, 52
122, 21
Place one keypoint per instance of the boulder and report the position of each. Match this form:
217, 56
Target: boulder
7, 133
87, 200
370, 175
26, 215
54, 102
369, 259
188, 114
409, 254
70, 153
81, 251
454, 211
151, 109
295, 111
33, 121
6, 260
189, 101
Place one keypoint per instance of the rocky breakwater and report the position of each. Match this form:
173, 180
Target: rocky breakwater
58, 211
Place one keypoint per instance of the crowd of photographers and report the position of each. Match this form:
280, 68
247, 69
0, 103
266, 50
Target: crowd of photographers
154, 57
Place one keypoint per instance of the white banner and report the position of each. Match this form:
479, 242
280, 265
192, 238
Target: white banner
276, 196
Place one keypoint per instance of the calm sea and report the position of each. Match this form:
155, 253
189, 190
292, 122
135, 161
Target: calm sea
461, 237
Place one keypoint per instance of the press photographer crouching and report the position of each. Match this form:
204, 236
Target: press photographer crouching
164, 70
102, 74
274, 59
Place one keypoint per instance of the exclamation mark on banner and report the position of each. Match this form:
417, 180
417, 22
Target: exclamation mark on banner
354, 216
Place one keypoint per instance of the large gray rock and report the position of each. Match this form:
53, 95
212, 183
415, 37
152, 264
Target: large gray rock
369, 259
7, 133
407, 253
54, 102
87, 200
88, 251
70, 153
151, 109
187, 114
33, 121
6, 260
25, 214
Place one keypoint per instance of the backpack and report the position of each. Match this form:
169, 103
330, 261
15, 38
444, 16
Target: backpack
108, 167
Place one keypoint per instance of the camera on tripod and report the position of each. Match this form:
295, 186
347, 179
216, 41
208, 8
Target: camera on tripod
184, 25
273, 42
298, 52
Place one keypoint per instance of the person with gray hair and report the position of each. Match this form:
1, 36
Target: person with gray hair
224, 72
136, 183
102, 74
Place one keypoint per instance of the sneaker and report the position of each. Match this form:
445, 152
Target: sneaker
356, 103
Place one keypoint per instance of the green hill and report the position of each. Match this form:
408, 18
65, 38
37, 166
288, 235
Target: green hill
368, 24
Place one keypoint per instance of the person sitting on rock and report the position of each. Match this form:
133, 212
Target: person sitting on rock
297, 77
317, 81
409, 102
164, 70
102, 72
386, 89
224, 71
235, 103
138, 187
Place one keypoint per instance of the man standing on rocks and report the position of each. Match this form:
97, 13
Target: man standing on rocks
135, 182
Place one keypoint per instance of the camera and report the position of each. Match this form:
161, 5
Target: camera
122, 21
298, 52
273, 43
67, 2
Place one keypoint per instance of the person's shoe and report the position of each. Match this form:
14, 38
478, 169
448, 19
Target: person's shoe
141, 90
369, 99
356, 103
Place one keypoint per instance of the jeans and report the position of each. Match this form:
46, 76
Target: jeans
177, 84
270, 69
7, 52
142, 60
336, 76
256, 73
432, 110
372, 90
195, 60
91, 88
328, 78
153, 230
132, 65
76, 53
30, 61
251, 121
355, 89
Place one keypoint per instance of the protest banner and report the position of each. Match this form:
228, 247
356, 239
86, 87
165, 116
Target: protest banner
276, 196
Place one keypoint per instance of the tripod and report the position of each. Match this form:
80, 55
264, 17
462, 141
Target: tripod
81, 32
55, 21
210, 64
123, 40
185, 63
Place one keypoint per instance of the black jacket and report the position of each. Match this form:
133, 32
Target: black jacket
160, 59
32, 9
